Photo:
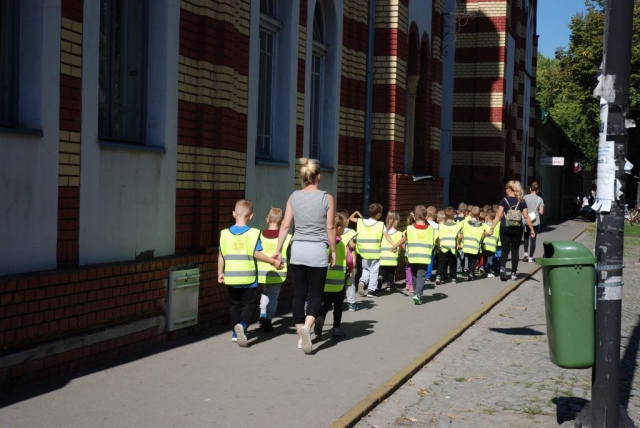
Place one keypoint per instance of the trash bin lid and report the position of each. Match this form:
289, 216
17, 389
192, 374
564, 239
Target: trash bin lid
565, 253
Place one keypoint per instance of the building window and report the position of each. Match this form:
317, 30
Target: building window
9, 60
269, 27
123, 70
317, 78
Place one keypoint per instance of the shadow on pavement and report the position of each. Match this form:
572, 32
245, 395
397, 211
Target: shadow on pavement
568, 407
353, 330
628, 366
518, 331
434, 298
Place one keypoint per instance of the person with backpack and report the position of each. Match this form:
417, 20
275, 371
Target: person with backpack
535, 205
511, 211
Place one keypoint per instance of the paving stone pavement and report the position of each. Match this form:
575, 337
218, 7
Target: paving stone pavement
498, 373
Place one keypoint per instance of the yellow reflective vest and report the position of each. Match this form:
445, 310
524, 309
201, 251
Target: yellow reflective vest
336, 275
387, 258
369, 241
491, 242
237, 251
472, 237
419, 245
267, 274
348, 235
448, 235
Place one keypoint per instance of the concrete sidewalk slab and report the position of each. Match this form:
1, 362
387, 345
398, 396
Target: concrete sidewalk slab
210, 381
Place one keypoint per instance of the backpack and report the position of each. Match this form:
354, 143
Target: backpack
513, 217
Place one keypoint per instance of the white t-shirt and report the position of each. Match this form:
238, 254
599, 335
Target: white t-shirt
433, 224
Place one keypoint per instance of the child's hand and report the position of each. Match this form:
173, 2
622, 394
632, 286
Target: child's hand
356, 214
221, 278
394, 249
277, 256
277, 264
332, 259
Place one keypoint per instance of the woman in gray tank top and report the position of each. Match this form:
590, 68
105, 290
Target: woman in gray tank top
312, 211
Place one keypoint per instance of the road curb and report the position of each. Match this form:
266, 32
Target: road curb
356, 413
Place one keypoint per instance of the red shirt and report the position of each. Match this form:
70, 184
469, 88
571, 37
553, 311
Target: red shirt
271, 233
421, 226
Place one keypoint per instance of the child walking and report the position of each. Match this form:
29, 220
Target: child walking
349, 238
269, 278
490, 245
447, 247
407, 266
420, 240
431, 219
240, 247
334, 286
389, 259
471, 236
368, 246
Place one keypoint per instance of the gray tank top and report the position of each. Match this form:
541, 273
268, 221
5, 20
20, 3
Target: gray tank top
310, 215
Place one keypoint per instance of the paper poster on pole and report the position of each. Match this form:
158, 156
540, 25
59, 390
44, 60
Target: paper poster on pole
606, 165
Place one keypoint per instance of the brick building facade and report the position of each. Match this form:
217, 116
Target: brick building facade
494, 101
124, 160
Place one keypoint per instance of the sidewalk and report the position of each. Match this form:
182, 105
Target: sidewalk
498, 373
209, 381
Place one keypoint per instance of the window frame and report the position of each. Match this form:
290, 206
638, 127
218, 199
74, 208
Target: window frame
317, 100
13, 58
270, 26
111, 45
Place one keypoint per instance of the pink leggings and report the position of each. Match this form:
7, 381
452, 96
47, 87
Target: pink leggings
407, 271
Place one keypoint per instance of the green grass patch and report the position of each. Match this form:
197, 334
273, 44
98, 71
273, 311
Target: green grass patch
489, 411
460, 379
632, 231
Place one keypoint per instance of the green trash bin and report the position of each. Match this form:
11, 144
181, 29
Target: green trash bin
569, 276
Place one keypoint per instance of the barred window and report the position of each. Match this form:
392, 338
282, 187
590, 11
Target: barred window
317, 79
123, 70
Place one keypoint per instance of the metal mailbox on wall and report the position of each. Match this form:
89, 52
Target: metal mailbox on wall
184, 288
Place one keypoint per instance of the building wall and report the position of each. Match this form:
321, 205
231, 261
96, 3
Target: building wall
29, 174
86, 276
494, 92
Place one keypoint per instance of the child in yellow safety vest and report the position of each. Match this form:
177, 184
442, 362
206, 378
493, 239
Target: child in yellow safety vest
269, 278
368, 246
447, 247
490, 245
349, 238
421, 240
334, 286
239, 249
407, 266
431, 219
389, 259
470, 237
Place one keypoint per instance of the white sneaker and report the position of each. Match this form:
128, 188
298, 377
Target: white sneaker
525, 257
530, 260
305, 338
490, 275
242, 336
299, 343
361, 290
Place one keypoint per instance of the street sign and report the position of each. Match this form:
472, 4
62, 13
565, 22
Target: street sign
552, 161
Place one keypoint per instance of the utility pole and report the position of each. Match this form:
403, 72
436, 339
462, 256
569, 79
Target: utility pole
604, 410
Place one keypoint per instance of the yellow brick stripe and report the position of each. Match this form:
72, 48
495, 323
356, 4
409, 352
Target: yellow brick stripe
349, 179
354, 64
489, 9
483, 69
472, 40
390, 70
391, 14
480, 99
356, 10
479, 129
71, 48
217, 85
69, 159
388, 127
207, 168
351, 122
235, 12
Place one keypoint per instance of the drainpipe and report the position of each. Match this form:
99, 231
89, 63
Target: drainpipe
368, 109
541, 119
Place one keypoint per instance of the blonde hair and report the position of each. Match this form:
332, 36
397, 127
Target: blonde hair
431, 211
516, 187
411, 218
309, 170
440, 216
462, 208
243, 207
275, 215
475, 211
392, 219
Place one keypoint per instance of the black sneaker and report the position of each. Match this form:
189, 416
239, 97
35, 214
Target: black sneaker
503, 274
372, 293
438, 280
267, 326
470, 277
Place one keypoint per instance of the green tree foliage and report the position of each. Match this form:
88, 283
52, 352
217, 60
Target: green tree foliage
565, 83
